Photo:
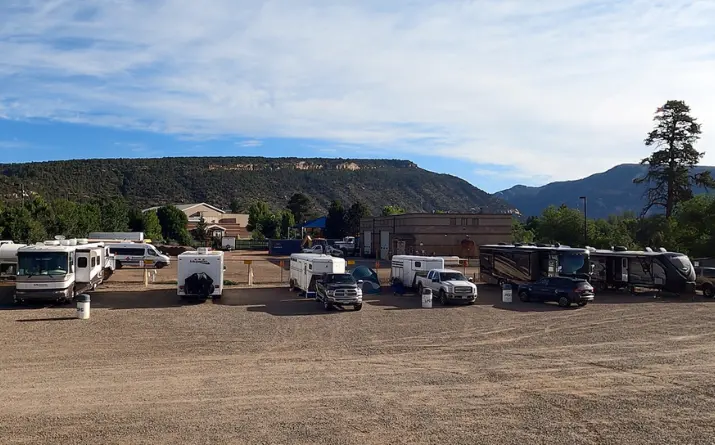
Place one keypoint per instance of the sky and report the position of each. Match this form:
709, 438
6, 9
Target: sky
498, 92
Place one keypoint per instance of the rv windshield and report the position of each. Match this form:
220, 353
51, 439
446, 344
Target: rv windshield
42, 263
573, 263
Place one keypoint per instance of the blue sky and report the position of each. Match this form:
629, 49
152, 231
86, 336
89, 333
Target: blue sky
496, 92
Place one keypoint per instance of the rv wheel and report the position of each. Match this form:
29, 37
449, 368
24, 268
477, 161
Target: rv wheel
708, 291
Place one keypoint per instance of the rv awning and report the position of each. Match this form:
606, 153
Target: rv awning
317, 223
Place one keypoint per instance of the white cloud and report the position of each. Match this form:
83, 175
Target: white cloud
249, 143
557, 88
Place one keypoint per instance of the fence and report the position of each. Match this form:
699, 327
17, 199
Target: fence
267, 271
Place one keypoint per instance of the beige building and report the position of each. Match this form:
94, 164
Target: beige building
458, 234
220, 223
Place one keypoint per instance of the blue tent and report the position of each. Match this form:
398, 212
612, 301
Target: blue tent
317, 223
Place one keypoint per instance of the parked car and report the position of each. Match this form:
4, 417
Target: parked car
705, 280
564, 290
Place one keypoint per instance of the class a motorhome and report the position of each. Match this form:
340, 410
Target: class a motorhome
8, 259
124, 236
406, 268
58, 270
200, 274
622, 268
138, 255
307, 268
524, 263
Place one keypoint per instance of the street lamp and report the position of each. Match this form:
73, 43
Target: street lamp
585, 221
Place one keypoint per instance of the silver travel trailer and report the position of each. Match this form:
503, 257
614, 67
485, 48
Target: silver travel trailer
8, 259
524, 263
622, 268
124, 236
58, 270
307, 268
406, 268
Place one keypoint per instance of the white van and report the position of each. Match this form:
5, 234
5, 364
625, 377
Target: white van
138, 255
306, 268
406, 268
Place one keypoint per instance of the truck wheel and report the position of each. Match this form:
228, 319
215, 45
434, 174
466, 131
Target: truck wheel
564, 302
708, 291
443, 298
357, 307
524, 296
420, 288
160, 265
345, 253
118, 265
327, 306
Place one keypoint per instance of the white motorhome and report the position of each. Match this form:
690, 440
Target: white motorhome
60, 269
138, 255
406, 268
306, 268
8, 258
200, 274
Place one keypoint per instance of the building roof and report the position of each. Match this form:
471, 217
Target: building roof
185, 207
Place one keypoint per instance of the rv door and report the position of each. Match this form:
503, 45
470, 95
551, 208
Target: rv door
624, 269
553, 269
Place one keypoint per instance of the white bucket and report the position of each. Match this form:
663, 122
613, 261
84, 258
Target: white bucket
427, 298
506, 294
83, 307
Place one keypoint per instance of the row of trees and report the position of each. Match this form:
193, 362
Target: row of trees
686, 223
265, 223
35, 219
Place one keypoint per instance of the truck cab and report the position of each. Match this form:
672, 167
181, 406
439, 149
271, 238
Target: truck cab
449, 286
339, 290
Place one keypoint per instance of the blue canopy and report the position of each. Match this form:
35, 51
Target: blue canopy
317, 223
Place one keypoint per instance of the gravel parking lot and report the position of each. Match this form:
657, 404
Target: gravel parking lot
263, 366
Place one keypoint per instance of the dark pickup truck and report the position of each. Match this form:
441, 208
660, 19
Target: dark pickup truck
339, 290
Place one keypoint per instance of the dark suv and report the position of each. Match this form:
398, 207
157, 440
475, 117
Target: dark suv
705, 280
566, 291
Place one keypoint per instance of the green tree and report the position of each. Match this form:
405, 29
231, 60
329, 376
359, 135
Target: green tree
19, 225
287, 221
353, 215
561, 225
235, 206
299, 205
335, 226
136, 220
66, 219
520, 233
173, 224
200, 232
694, 230
670, 177
392, 210
89, 218
151, 225
114, 215
257, 213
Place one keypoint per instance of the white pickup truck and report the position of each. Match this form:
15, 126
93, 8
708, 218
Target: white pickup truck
448, 286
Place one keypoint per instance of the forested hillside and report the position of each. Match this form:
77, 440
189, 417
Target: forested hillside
243, 180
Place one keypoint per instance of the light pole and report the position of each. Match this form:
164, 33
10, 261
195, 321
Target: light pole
585, 221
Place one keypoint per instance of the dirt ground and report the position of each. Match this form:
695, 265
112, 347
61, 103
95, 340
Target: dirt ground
265, 367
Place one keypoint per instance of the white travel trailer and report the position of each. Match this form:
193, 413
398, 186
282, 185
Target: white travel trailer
306, 268
200, 274
8, 258
406, 268
138, 255
58, 270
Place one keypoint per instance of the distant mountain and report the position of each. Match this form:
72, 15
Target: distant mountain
607, 193
219, 180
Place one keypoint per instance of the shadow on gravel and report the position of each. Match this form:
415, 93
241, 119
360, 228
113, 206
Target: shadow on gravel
32, 320
149, 299
278, 301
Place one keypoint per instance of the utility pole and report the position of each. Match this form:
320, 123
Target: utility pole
585, 221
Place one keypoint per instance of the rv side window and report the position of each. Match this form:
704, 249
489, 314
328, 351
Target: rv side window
91, 263
310, 267
418, 264
82, 262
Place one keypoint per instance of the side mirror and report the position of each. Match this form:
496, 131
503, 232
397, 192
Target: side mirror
360, 281
470, 279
